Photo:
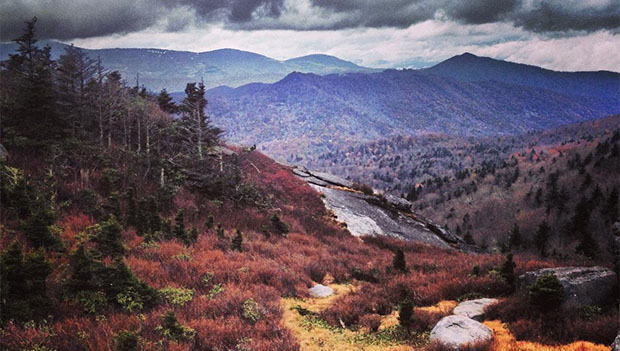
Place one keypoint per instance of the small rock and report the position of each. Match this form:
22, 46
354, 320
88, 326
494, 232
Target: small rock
332, 179
473, 309
457, 331
582, 285
321, 290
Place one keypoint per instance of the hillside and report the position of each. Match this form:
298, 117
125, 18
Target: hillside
304, 114
485, 186
170, 69
472, 68
128, 224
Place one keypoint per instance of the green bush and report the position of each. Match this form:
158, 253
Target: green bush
174, 330
281, 227
130, 300
547, 292
92, 301
405, 313
251, 310
127, 341
177, 296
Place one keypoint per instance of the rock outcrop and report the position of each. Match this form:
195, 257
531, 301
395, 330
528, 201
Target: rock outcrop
456, 331
320, 290
473, 309
582, 285
374, 214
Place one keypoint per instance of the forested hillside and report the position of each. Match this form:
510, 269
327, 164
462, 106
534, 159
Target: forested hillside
558, 189
304, 115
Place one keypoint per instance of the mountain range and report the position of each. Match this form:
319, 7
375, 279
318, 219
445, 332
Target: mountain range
305, 114
170, 69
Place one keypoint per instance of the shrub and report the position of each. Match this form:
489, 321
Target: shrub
237, 242
107, 236
371, 321
398, 262
127, 341
177, 296
92, 301
281, 227
130, 300
405, 313
547, 292
174, 330
507, 271
251, 311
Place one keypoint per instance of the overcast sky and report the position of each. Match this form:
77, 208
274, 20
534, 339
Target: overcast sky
556, 34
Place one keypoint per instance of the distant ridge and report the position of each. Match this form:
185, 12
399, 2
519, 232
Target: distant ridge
471, 68
170, 69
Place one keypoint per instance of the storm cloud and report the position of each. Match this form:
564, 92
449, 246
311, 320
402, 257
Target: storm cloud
69, 19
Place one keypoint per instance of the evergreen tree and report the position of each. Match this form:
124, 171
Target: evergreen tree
398, 262
281, 227
610, 208
165, 102
507, 271
405, 313
541, 238
469, 239
108, 238
515, 237
237, 242
195, 127
179, 226
209, 222
220, 231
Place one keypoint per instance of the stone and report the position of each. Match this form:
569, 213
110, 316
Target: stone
398, 202
616, 345
456, 331
332, 179
300, 173
473, 309
320, 290
582, 285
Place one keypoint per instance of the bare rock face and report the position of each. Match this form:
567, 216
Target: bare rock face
582, 285
456, 331
473, 309
320, 290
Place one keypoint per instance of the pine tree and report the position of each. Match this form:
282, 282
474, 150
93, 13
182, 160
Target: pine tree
179, 226
507, 271
220, 231
209, 223
281, 227
237, 242
165, 102
515, 237
196, 129
108, 238
398, 262
405, 313
541, 238
469, 239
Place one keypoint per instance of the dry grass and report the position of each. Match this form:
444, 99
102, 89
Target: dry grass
505, 341
315, 336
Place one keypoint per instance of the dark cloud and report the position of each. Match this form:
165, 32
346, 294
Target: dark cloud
67, 19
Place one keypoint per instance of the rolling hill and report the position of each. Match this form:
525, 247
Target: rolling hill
172, 69
306, 114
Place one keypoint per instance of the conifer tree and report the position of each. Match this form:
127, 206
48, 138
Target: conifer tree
507, 271
237, 242
179, 226
541, 238
398, 262
515, 237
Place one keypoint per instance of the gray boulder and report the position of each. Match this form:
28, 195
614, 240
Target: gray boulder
473, 309
582, 285
616, 345
398, 202
457, 331
332, 179
320, 290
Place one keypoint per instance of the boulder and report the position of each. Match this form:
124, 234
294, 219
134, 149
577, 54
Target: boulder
300, 173
582, 285
332, 179
616, 344
456, 331
398, 202
320, 290
473, 309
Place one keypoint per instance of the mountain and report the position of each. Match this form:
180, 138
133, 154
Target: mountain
172, 69
471, 68
306, 114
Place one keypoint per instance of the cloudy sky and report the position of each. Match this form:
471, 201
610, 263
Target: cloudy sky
556, 34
